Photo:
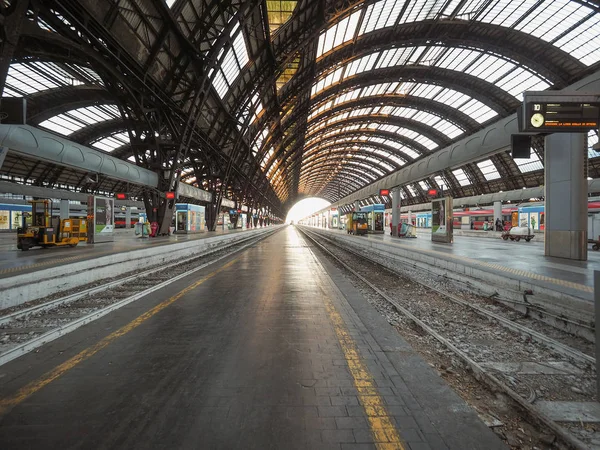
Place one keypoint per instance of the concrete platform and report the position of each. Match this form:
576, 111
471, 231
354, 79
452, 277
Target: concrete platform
524, 261
272, 350
14, 261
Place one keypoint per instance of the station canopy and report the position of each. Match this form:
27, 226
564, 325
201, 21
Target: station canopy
303, 98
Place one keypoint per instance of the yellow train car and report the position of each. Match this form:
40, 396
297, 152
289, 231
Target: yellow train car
48, 231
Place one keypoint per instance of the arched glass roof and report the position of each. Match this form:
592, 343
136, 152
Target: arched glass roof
346, 96
500, 71
568, 25
446, 96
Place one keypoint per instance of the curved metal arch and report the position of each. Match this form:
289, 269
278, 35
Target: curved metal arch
401, 140
485, 92
562, 67
419, 148
414, 125
495, 98
356, 171
316, 164
391, 136
338, 191
343, 150
453, 115
51, 102
321, 178
523, 48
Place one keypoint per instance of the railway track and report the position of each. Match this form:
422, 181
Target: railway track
535, 370
26, 328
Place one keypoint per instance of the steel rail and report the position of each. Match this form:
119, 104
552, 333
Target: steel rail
61, 330
479, 372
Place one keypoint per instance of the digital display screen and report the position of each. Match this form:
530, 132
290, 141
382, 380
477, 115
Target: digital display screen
565, 117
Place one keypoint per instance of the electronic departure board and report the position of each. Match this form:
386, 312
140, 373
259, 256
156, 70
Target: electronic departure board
558, 112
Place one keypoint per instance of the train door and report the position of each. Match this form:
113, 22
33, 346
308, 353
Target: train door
542, 220
514, 220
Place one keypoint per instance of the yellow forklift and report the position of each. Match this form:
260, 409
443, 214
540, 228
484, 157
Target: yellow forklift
46, 230
356, 223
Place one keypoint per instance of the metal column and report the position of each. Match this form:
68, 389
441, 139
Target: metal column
395, 210
128, 217
497, 212
566, 196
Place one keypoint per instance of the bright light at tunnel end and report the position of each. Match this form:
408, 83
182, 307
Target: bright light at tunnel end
305, 208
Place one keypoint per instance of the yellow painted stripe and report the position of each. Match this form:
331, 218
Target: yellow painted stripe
27, 391
384, 433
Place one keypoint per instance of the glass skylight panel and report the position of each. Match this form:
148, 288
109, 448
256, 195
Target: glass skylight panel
478, 111
395, 57
338, 34
404, 112
62, 125
449, 129
520, 80
457, 59
488, 169
235, 58
440, 181
583, 42
397, 160
426, 118
381, 14
37, 76
425, 90
507, 12
76, 119
409, 151
461, 177
530, 164
551, 19
110, 143
411, 189
422, 10
428, 143
451, 97
489, 67
170, 2
423, 185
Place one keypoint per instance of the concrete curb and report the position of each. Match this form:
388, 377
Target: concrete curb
32, 286
574, 305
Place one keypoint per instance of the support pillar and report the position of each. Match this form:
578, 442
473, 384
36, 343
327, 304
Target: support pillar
410, 217
566, 196
395, 210
64, 209
497, 212
128, 217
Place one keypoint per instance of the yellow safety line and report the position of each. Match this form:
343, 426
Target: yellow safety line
382, 427
31, 388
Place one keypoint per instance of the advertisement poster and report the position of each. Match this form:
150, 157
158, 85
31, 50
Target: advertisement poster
441, 220
101, 221
104, 212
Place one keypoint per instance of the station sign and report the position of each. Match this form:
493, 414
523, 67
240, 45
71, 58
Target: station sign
170, 195
432, 192
383, 192
121, 196
558, 112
